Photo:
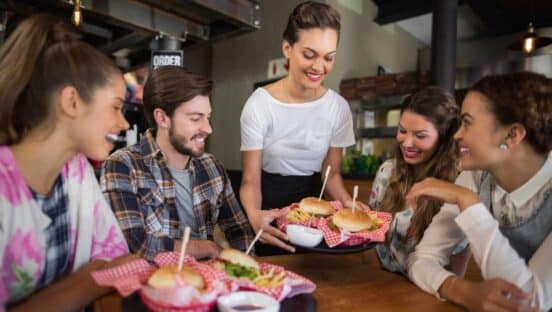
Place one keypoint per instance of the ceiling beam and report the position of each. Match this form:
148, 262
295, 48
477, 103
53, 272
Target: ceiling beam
96, 30
122, 42
503, 17
150, 18
390, 11
241, 13
497, 20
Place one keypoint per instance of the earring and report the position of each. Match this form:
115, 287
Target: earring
503, 147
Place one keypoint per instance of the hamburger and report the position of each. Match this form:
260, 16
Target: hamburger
359, 221
316, 207
237, 264
310, 207
170, 289
169, 278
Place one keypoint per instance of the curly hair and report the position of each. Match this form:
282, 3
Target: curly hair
438, 107
525, 98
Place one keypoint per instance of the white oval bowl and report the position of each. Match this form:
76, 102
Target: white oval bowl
304, 236
265, 302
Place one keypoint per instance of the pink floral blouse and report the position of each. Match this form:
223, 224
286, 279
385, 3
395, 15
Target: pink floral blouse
94, 231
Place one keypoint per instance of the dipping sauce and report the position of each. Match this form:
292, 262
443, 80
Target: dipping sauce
246, 307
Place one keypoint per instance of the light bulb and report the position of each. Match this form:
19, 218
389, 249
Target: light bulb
529, 45
76, 18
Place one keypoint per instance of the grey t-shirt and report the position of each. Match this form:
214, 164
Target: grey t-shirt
184, 204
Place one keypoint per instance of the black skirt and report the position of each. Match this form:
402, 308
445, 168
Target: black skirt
280, 191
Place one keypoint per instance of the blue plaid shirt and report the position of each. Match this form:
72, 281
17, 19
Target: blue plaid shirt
138, 184
54, 205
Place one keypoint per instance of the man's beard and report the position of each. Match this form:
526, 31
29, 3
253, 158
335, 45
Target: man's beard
179, 144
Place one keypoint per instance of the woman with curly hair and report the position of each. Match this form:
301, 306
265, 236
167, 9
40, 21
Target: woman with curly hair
425, 148
503, 206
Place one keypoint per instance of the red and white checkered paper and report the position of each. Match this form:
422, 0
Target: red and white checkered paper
282, 222
293, 284
336, 238
125, 278
132, 276
157, 306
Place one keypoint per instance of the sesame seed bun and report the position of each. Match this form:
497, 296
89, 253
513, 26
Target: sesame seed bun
238, 257
317, 207
165, 278
357, 222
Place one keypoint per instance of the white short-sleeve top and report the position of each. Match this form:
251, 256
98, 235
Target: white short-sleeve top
295, 138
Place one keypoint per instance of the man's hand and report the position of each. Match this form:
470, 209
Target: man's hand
261, 219
199, 248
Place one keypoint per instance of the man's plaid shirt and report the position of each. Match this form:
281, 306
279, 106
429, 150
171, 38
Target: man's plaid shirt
138, 184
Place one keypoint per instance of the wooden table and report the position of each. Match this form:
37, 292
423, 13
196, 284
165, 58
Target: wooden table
353, 282
357, 283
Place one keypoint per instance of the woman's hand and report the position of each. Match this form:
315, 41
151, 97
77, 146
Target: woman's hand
496, 295
72, 292
358, 204
261, 219
444, 191
250, 194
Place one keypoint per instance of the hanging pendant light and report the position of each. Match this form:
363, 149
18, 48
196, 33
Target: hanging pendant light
76, 18
530, 41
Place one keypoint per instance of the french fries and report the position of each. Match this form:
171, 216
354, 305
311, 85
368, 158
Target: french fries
269, 279
296, 215
376, 222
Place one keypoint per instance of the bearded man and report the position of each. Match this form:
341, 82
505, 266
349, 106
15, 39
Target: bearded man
167, 182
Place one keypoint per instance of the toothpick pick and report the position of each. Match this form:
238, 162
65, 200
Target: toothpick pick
254, 241
183, 247
355, 194
328, 169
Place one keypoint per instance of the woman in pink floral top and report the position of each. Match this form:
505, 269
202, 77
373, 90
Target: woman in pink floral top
59, 101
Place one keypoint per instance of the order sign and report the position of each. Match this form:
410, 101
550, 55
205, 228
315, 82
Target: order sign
167, 58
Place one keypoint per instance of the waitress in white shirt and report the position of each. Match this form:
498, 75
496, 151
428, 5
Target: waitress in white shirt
504, 209
295, 127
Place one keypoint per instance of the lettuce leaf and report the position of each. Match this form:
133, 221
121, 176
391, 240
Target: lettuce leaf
238, 271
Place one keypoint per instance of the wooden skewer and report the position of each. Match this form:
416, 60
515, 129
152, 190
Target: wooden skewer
254, 241
328, 169
183, 247
355, 194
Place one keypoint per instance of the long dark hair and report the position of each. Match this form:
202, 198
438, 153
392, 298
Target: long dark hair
523, 97
309, 15
38, 59
439, 107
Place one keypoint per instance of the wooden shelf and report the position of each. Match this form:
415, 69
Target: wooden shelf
383, 102
384, 132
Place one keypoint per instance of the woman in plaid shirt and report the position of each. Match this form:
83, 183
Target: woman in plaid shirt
59, 101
